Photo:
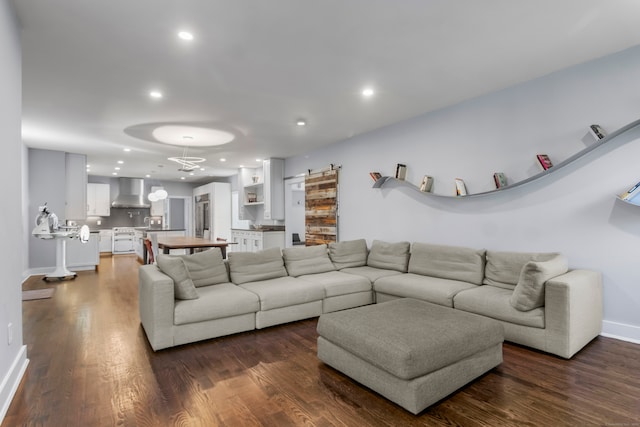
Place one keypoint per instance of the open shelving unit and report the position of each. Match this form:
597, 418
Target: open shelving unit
623, 130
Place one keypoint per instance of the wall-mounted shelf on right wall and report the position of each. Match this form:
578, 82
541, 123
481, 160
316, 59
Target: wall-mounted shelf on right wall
623, 130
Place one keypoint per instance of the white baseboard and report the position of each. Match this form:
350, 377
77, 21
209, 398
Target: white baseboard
12, 380
621, 331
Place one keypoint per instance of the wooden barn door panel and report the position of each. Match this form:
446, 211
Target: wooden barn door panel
321, 207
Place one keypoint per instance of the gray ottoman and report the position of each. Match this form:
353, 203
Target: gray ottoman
412, 352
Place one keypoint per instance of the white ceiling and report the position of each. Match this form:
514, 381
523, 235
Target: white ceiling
255, 67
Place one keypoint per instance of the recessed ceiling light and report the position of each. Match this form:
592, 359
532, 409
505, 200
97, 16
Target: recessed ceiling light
114, 173
147, 176
222, 159
88, 166
367, 92
201, 168
155, 94
117, 168
185, 35
182, 177
241, 166
258, 160
301, 122
120, 162
191, 173
126, 149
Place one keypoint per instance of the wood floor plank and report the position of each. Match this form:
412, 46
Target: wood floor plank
90, 365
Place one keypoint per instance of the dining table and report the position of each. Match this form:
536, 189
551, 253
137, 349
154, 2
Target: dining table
190, 244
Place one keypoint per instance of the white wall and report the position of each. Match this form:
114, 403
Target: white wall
12, 356
574, 211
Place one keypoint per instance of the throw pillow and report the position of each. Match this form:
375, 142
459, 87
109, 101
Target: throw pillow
352, 253
390, 256
307, 260
174, 267
206, 268
529, 292
254, 266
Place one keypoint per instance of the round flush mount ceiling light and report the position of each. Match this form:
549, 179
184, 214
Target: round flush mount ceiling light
191, 136
367, 92
185, 35
155, 94
301, 122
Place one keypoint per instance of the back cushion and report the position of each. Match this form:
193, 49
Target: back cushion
448, 262
254, 266
503, 268
307, 260
352, 253
390, 256
206, 268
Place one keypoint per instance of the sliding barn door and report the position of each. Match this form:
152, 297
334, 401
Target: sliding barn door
321, 207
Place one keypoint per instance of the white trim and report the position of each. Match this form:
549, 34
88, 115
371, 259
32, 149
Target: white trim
12, 380
621, 331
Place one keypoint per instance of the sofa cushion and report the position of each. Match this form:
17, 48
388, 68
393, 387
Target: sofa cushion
391, 256
503, 268
431, 289
254, 266
284, 292
174, 267
307, 260
494, 302
206, 268
352, 253
338, 283
448, 262
216, 302
370, 273
529, 292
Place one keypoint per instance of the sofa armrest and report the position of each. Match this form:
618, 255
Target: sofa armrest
156, 302
573, 311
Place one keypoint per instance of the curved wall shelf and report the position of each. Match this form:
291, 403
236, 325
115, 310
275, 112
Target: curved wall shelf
623, 130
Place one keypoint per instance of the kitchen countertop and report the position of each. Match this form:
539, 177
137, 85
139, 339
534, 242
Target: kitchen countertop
263, 229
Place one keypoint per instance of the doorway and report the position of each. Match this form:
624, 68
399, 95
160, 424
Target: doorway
294, 210
178, 214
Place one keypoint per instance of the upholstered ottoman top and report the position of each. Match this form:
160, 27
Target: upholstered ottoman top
409, 338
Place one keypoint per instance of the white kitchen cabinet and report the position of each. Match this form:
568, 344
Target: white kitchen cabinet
83, 256
75, 186
138, 244
98, 199
104, 240
255, 240
262, 195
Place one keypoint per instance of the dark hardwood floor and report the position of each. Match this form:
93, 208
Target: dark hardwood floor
90, 365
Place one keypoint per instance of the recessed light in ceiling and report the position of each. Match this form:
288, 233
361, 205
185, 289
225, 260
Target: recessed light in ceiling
117, 168
155, 94
185, 35
120, 162
114, 173
222, 159
191, 136
147, 176
126, 149
88, 166
241, 166
367, 92
258, 160
301, 122
182, 177
191, 173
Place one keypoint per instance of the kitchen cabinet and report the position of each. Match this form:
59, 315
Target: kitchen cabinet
262, 188
98, 199
83, 256
138, 244
255, 240
104, 240
75, 186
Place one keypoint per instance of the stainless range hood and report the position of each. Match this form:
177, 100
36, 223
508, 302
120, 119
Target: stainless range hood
131, 194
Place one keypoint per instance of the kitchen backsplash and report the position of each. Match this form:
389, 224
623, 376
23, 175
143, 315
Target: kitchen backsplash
124, 217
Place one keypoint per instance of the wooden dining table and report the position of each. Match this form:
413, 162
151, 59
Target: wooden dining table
190, 243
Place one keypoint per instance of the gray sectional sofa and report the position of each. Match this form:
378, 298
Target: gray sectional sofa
539, 301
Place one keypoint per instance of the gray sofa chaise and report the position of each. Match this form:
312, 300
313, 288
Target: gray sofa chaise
539, 301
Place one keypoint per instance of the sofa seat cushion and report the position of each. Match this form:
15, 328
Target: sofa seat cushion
337, 283
448, 262
284, 292
432, 289
371, 273
392, 256
216, 302
307, 260
495, 302
351, 253
256, 266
